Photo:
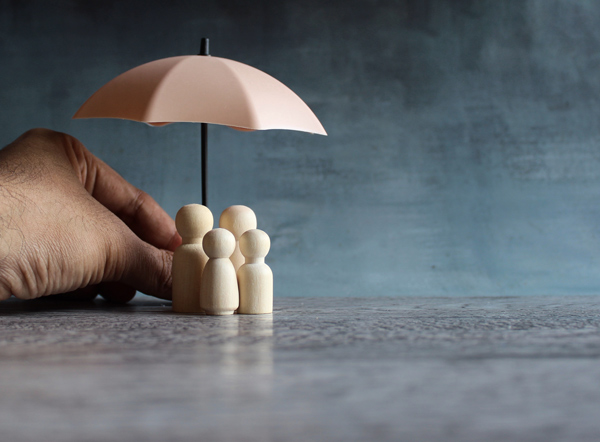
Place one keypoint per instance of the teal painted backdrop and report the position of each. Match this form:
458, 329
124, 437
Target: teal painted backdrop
463, 155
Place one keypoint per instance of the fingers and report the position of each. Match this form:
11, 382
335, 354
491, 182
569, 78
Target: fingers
147, 256
136, 208
140, 212
148, 269
133, 251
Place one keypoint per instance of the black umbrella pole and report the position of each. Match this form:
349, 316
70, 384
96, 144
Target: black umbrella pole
204, 137
204, 141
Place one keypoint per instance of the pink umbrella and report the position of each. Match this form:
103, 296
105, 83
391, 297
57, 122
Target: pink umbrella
201, 89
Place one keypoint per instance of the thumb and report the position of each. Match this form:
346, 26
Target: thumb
148, 269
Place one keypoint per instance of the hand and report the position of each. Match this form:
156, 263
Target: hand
68, 222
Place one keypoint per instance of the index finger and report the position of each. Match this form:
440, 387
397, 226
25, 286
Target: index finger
138, 210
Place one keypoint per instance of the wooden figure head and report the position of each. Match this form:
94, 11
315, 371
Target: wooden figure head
219, 243
193, 221
255, 244
238, 219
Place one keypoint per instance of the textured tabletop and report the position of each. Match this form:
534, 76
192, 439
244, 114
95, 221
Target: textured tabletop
336, 369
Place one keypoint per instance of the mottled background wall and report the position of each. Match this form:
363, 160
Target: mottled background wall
463, 154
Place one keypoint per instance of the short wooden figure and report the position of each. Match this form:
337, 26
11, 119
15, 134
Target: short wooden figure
237, 219
255, 278
219, 289
192, 222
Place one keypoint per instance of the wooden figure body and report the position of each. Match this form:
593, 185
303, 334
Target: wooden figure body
255, 278
192, 222
219, 289
237, 219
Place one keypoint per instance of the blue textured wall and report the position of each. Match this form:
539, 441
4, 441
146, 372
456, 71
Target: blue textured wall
463, 154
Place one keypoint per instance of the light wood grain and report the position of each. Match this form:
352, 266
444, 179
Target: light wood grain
192, 222
219, 289
238, 219
255, 278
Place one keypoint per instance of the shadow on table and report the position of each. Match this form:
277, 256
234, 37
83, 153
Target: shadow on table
55, 303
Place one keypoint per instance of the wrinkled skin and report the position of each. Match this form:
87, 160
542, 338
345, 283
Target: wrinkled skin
70, 224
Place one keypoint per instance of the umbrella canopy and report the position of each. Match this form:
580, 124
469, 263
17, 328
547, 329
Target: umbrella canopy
201, 89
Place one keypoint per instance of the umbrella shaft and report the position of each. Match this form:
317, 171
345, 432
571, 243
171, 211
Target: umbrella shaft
204, 51
203, 161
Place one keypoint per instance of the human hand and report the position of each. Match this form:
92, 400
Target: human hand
70, 223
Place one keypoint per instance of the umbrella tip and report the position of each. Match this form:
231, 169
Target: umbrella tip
204, 47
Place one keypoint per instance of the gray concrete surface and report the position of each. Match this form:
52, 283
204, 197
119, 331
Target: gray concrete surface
330, 369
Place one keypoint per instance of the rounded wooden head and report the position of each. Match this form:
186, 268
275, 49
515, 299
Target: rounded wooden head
193, 221
218, 243
255, 244
238, 219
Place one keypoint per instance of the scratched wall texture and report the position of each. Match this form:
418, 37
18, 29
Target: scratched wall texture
463, 155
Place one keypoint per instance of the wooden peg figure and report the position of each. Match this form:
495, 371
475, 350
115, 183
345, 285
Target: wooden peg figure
255, 278
237, 219
193, 222
219, 289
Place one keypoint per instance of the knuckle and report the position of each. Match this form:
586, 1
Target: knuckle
15, 283
139, 201
159, 266
166, 274
38, 132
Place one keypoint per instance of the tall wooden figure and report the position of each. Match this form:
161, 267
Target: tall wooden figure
192, 222
237, 219
219, 289
255, 278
